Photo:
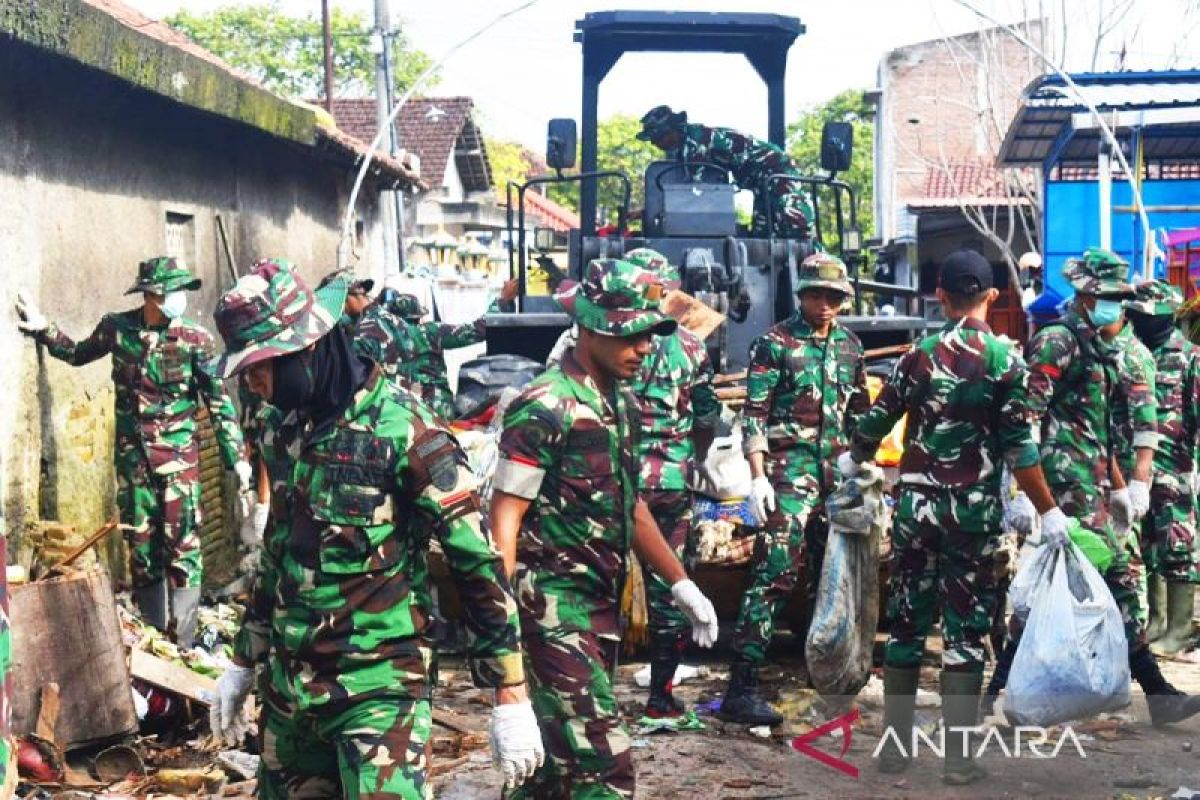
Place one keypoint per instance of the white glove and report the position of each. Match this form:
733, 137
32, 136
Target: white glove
847, 465
516, 742
32, 320
1020, 514
762, 496
1139, 498
1120, 505
245, 474
227, 712
254, 525
1054, 528
1196, 483
698, 609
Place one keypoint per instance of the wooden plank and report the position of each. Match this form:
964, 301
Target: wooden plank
171, 676
886, 352
732, 377
692, 314
47, 719
88, 544
454, 721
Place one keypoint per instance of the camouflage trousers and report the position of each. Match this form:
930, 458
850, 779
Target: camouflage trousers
588, 755
672, 511
164, 512
373, 748
1089, 505
791, 211
1169, 532
793, 537
943, 546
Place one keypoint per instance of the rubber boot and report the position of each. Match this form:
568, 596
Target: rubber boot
665, 651
1156, 597
1181, 598
899, 702
151, 602
960, 709
1167, 704
999, 680
185, 610
742, 703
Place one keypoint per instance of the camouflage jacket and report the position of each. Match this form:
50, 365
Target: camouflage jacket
414, 351
1134, 408
379, 336
1177, 390
1074, 381
572, 452
803, 395
964, 390
162, 377
748, 158
676, 392
343, 604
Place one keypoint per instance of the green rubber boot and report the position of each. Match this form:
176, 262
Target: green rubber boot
1181, 597
960, 709
899, 700
1156, 596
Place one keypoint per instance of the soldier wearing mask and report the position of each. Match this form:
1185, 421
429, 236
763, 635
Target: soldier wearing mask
365, 474
161, 375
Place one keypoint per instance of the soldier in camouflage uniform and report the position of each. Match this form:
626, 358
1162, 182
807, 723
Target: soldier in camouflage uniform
749, 160
161, 376
565, 513
806, 385
414, 351
963, 389
1072, 384
680, 412
364, 474
1169, 530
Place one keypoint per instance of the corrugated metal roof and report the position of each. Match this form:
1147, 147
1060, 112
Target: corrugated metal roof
1043, 122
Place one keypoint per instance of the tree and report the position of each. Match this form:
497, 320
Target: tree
511, 161
286, 53
617, 148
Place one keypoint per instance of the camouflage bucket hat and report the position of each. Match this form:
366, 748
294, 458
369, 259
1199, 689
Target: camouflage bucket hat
616, 298
823, 271
655, 262
1099, 272
660, 120
1156, 298
163, 274
271, 311
407, 306
346, 276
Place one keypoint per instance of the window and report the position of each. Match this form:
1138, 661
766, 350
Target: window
181, 237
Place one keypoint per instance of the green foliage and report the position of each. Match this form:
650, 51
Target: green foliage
511, 161
617, 148
804, 145
286, 54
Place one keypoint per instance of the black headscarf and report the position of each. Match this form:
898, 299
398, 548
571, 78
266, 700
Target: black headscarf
320, 381
1152, 329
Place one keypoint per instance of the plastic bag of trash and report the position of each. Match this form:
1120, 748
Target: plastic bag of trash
728, 471
842, 633
1072, 659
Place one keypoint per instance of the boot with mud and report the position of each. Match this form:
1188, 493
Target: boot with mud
1156, 601
1167, 704
664, 660
1181, 599
742, 703
960, 709
899, 702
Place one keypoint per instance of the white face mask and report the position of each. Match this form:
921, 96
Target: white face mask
173, 304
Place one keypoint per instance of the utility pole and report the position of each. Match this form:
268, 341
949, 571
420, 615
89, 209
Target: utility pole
381, 43
327, 38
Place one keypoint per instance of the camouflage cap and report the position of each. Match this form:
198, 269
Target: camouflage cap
824, 271
271, 311
655, 262
616, 298
346, 276
1156, 298
163, 274
1099, 272
407, 306
660, 120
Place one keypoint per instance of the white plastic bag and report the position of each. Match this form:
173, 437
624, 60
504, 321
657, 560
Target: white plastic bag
728, 469
841, 636
1072, 660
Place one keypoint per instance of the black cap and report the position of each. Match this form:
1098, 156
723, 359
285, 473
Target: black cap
965, 272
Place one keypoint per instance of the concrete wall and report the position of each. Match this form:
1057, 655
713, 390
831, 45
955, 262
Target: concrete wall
89, 169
